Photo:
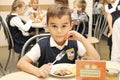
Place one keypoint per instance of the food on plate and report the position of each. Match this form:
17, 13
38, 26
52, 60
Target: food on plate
73, 69
61, 71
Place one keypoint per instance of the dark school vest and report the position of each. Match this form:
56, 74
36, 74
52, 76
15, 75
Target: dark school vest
116, 13
48, 54
18, 38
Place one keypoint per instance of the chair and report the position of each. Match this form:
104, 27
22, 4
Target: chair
78, 23
1, 69
100, 27
94, 19
29, 41
9, 40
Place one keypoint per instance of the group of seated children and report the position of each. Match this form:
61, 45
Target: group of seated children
61, 38
44, 52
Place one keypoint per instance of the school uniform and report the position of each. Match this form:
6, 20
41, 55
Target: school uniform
29, 11
82, 16
96, 8
18, 31
46, 50
114, 10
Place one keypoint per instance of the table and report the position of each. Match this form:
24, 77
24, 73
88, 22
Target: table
36, 24
20, 75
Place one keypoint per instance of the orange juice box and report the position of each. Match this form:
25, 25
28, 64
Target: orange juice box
90, 70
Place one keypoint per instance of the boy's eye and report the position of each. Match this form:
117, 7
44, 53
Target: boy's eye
64, 26
54, 26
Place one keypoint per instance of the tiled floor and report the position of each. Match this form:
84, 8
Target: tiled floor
104, 52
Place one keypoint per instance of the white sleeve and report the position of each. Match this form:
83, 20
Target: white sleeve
35, 53
114, 5
74, 14
81, 49
29, 11
99, 6
16, 21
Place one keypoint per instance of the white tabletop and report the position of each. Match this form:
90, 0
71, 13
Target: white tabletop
25, 76
35, 24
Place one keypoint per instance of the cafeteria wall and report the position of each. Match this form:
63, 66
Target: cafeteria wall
5, 7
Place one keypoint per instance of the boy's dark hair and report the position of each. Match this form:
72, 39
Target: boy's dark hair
58, 10
64, 2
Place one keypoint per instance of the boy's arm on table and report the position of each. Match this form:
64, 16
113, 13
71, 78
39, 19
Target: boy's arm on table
25, 64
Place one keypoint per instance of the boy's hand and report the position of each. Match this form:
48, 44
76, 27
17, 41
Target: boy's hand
109, 34
73, 35
44, 70
31, 16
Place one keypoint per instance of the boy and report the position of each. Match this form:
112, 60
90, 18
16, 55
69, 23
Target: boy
79, 10
59, 25
79, 13
33, 7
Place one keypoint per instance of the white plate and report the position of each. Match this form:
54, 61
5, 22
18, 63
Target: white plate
70, 67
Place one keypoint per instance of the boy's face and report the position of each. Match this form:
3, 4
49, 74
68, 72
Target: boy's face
58, 27
101, 1
35, 4
110, 1
79, 10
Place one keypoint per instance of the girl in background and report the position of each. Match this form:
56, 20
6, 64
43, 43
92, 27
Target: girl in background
18, 28
32, 8
98, 7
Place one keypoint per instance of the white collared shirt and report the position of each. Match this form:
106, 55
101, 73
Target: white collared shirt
54, 44
35, 53
16, 21
81, 16
114, 5
96, 8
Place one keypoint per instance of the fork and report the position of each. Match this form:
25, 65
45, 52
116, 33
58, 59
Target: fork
59, 57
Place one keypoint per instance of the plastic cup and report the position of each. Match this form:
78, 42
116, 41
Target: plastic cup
112, 74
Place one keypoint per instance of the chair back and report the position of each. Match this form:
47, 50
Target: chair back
7, 33
9, 40
100, 26
78, 22
29, 41
94, 18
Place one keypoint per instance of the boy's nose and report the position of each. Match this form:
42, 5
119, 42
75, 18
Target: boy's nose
59, 30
